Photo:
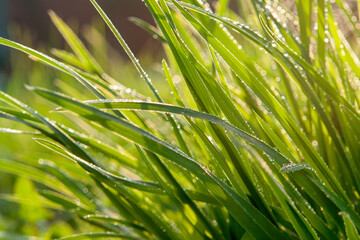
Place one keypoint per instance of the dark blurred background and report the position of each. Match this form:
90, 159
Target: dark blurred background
32, 16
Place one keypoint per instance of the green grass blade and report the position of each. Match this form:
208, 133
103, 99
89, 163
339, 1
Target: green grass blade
167, 108
128, 51
97, 171
106, 218
76, 45
68, 57
15, 131
96, 235
237, 206
269, 99
149, 28
351, 230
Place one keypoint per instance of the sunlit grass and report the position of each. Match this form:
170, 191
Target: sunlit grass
255, 136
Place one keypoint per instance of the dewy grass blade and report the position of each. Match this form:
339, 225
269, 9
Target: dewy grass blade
300, 223
62, 136
351, 230
140, 185
140, 70
101, 235
66, 202
127, 49
166, 108
135, 105
321, 110
76, 188
269, 99
262, 42
175, 191
266, 147
15, 131
246, 214
106, 218
114, 182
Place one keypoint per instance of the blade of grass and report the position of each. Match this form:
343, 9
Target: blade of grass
225, 195
95, 235
76, 45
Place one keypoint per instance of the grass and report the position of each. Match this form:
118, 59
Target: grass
257, 140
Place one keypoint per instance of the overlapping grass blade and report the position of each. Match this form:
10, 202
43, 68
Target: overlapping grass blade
272, 103
76, 45
97, 171
51, 62
96, 235
237, 206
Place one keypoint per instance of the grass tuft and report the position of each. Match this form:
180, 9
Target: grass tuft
255, 135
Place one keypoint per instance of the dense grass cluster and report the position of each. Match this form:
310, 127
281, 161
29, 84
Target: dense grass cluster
259, 138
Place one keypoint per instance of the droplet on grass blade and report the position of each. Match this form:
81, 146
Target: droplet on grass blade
15, 131
293, 167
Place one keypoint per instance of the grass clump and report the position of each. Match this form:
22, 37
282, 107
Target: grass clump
257, 140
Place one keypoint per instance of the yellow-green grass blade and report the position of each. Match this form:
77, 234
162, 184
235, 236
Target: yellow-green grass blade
98, 235
76, 45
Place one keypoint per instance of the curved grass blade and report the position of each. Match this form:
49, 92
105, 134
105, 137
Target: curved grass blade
139, 68
96, 235
18, 118
236, 205
115, 220
278, 157
340, 204
65, 202
149, 28
60, 134
175, 190
293, 167
51, 62
68, 58
75, 187
127, 49
15, 131
117, 183
351, 231
167, 108
300, 223
97, 171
